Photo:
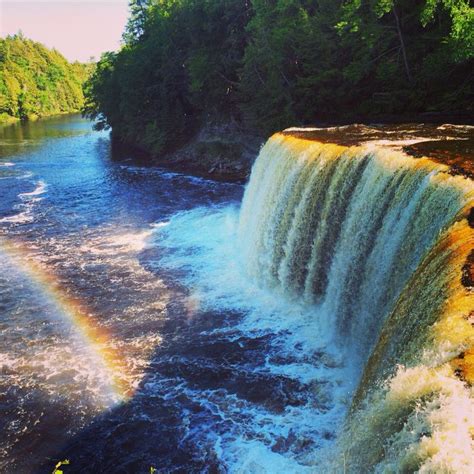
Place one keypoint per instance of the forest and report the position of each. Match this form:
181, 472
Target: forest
36, 81
269, 64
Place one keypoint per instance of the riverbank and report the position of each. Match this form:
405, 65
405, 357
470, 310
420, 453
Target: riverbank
222, 152
226, 152
6, 119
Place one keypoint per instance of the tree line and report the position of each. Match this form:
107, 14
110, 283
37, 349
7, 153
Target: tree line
269, 64
36, 81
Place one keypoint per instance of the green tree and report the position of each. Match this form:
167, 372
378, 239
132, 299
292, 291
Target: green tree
36, 81
269, 64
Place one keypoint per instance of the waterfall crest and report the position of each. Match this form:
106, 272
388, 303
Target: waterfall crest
380, 242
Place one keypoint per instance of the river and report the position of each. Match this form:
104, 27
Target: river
130, 336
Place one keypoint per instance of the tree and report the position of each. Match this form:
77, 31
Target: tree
270, 64
36, 81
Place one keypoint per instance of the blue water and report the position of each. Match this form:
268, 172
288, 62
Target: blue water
224, 376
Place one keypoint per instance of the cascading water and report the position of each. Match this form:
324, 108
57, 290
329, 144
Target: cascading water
379, 243
148, 319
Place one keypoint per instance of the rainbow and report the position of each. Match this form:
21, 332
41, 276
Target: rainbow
97, 339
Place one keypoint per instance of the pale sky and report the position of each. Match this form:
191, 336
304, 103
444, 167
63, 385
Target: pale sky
78, 29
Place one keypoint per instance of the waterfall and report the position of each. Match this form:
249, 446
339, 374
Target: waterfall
381, 244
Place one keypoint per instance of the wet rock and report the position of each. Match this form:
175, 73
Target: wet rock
463, 366
283, 444
470, 217
467, 278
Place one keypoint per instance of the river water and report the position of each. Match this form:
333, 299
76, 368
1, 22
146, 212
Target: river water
130, 336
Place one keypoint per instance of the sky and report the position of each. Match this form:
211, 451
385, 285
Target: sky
78, 29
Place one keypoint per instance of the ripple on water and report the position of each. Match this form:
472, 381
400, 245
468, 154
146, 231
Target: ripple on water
219, 373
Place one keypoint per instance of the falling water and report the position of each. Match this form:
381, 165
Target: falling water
152, 319
378, 242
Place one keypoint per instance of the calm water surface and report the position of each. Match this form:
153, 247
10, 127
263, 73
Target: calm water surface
130, 337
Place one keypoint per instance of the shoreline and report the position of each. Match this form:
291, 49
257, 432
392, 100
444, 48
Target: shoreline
9, 120
221, 152
226, 152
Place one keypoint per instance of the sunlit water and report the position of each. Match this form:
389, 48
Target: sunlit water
130, 335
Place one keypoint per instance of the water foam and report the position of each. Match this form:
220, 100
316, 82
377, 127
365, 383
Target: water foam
202, 246
39, 189
26, 207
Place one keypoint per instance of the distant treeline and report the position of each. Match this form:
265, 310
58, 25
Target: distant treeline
36, 81
269, 64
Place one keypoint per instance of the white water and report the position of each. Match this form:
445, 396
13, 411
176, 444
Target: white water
345, 229
203, 243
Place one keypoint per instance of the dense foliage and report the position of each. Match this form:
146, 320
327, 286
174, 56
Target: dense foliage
274, 63
36, 81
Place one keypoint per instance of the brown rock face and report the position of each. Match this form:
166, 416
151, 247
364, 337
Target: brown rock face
464, 366
458, 154
468, 272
